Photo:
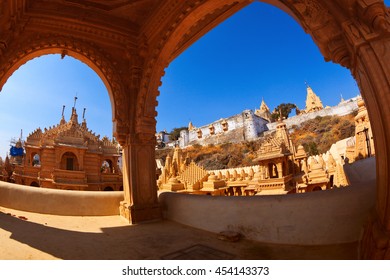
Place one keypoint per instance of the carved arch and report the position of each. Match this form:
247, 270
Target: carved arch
352, 33
198, 17
89, 54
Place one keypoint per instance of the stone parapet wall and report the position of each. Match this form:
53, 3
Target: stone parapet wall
237, 169
59, 202
314, 218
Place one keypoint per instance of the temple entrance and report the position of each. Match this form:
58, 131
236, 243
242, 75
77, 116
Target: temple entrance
69, 162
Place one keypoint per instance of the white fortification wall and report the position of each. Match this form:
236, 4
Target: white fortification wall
247, 126
342, 109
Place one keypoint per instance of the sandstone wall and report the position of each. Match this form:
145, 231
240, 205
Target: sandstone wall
59, 202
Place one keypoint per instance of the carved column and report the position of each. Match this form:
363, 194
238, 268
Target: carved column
371, 44
280, 170
373, 75
139, 180
140, 202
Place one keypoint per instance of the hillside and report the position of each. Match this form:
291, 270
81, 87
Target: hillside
316, 136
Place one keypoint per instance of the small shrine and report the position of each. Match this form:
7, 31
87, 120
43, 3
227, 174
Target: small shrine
276, 161
364, 140
179, 174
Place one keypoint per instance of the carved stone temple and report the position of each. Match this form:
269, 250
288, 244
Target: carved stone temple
313, 102
130, 44
71, 157
364, 146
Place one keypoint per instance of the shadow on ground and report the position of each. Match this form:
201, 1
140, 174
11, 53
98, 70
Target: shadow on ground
157, 240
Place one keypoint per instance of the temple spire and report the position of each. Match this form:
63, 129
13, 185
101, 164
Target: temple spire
74, 117
62, 121
264, 111
75, 100
84, 124
313, 102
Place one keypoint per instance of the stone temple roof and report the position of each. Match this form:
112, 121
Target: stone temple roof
264, 111
70, 133
313, 102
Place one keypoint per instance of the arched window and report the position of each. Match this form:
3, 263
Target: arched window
69, 161
35, 159
107, 167
273, 170
108, 189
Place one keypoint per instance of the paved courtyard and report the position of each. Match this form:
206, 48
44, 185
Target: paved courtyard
25, 235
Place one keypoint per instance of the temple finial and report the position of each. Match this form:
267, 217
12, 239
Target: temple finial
63, 110
75, 100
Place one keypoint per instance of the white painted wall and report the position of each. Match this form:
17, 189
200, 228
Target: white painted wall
241, 127
342, 109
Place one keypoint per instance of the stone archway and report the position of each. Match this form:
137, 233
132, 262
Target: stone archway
354, 34
79, 50
130, 45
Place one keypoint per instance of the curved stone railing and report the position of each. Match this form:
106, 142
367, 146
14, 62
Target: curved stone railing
326, 217
59, 202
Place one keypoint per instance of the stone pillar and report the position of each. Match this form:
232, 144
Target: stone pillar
140, 202
280, 170
372, 72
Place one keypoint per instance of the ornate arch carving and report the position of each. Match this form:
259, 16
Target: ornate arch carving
22, 51
176, 34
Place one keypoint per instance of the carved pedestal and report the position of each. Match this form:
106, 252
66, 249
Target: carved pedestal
173, 185
376, 241
139, 213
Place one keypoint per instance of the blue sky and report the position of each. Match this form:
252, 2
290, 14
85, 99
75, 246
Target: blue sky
260, 52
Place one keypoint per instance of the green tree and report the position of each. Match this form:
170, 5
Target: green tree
284, 108
175, 133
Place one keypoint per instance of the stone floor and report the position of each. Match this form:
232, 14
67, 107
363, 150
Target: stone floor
25, 235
